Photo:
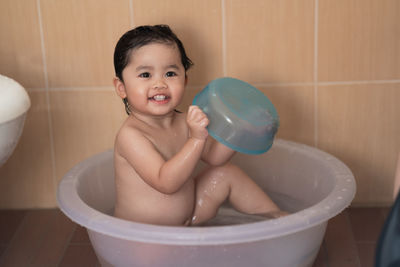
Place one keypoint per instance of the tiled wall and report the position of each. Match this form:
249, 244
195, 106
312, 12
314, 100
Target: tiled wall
331, 67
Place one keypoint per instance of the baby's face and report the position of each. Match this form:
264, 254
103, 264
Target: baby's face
154, 79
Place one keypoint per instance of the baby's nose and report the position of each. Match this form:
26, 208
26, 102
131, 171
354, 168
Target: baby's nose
159, 84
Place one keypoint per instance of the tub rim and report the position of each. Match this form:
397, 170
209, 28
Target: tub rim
335, 202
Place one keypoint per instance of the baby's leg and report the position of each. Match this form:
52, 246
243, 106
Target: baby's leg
216, 184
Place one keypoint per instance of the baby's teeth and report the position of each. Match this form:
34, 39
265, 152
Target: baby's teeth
159, 97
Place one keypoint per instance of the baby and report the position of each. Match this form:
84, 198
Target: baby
157, 148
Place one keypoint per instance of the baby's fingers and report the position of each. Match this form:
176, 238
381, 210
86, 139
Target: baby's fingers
194, 110
196, 114
203, 121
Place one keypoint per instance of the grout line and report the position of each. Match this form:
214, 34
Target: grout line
316, 133
282, 84
358, 82
3, 255
35, 89
196, 86
83, 88
347, 216
131, 17
47, 90
44, 234
42, 46
67, 244
224, 65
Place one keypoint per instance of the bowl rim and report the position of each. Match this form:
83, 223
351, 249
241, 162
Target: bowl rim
238, 148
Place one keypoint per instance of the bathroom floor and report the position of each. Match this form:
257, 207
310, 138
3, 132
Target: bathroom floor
38, 238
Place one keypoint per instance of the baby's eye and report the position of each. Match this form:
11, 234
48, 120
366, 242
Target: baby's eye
170, 74
144, 75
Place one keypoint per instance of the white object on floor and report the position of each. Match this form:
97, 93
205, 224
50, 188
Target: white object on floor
14, 103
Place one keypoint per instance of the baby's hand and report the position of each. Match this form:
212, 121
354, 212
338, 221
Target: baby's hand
197, 121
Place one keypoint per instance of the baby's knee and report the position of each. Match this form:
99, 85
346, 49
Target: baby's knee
221, 176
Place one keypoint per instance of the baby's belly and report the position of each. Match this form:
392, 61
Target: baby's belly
150, 206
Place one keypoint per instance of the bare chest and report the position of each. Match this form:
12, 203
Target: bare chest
169, 143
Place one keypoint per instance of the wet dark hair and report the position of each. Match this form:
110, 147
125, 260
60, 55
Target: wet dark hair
141, 36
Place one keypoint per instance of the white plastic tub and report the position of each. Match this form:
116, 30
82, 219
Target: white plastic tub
14, 103
10, 133
312, 184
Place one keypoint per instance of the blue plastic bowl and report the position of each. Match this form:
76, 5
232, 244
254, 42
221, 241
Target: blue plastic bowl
241, 117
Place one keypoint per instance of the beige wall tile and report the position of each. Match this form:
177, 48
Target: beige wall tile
84, 123
197, 23
360, 125
20, 49
270, 41
80, 37
359, 40
26, 180
188, 97
295, 107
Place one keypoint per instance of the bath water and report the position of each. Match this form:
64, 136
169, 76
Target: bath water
229, 216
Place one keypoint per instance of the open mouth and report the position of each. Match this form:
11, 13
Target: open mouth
159, 98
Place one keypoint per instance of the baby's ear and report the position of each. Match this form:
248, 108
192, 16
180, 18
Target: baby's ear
119, 87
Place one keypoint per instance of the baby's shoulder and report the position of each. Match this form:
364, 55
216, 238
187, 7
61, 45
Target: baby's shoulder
129, 131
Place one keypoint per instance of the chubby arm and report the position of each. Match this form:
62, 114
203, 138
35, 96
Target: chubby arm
166, 176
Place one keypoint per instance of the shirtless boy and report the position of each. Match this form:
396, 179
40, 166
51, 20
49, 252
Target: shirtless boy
157, 147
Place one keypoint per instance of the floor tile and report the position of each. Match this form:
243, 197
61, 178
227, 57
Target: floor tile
366, 252
340, 244
385, 211
9, 222
366, 223
79, 255
55, 241
24, 245
2, 249
80, 236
